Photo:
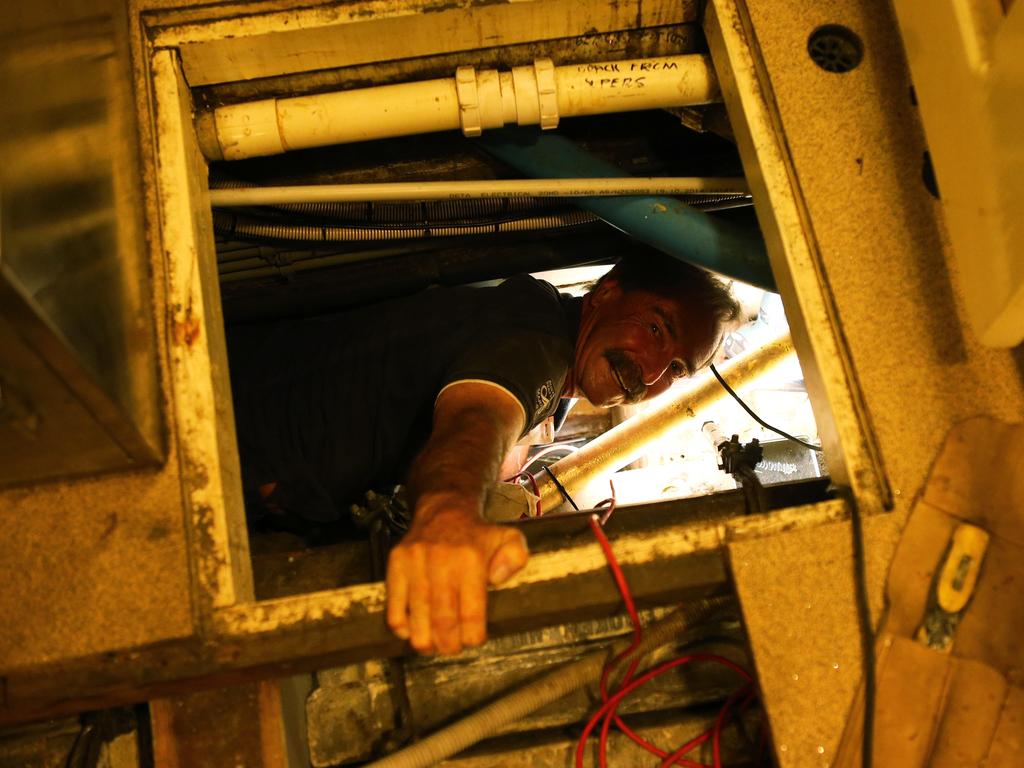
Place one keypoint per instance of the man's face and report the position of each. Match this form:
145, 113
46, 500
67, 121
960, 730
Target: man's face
633, 344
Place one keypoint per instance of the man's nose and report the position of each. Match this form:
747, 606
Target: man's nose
653, 369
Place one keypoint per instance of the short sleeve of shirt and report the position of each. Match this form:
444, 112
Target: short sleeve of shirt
530, 365
531, 362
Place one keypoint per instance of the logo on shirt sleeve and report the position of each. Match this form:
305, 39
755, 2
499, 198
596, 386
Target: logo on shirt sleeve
545, 394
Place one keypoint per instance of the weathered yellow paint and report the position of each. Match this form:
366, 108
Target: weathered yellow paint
202, 403
633, 549
299, 611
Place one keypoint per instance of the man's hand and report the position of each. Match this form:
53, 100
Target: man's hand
438, 575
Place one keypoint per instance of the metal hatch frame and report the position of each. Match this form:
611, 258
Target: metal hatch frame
237, 637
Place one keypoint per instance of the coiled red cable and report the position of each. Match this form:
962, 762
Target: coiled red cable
607, 713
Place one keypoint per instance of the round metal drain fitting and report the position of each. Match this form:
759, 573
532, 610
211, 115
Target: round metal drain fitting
835, 48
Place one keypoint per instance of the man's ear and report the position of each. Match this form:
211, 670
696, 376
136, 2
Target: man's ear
607, 289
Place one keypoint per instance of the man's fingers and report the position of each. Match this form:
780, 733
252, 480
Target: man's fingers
437, 593
444, 616
509, 556
473, 603
419, 600
398, 594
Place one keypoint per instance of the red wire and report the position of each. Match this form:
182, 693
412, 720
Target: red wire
676, 756
620, 582
608, 714
627, 598
645, 677
716, 741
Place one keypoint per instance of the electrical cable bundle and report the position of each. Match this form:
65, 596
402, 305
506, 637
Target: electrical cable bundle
607, 713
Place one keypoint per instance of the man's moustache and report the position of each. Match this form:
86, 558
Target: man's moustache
628, 373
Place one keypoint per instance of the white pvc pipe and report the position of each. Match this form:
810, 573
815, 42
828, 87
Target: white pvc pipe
453, 190
473, 100
273, 126
635, 84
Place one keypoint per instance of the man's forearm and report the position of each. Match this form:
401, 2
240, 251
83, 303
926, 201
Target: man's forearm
461, 460
439, 572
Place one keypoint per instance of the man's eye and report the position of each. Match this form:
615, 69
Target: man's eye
655, 329
678, 371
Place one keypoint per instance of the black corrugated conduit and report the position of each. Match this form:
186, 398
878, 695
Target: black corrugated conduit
241, 227
431, 210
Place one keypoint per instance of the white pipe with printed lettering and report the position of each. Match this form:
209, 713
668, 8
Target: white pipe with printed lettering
472, 100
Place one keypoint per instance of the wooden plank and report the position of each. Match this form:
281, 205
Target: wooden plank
201, 407
240, 725
327, 37
567, 579
669, 40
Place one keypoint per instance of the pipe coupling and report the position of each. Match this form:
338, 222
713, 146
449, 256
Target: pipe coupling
547, 95
469, 101
526, 96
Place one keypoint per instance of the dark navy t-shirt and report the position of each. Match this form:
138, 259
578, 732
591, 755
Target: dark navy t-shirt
328, 407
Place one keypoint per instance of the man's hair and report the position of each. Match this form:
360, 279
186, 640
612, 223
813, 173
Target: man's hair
703, 296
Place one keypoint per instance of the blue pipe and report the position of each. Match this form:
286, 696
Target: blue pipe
662, 222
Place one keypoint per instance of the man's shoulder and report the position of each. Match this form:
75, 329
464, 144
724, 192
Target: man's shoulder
539, 297
530, 285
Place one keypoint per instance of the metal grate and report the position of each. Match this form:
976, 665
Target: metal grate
835, 48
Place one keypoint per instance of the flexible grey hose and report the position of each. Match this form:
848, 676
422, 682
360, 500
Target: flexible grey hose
564, 680
410, 212
243, 227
